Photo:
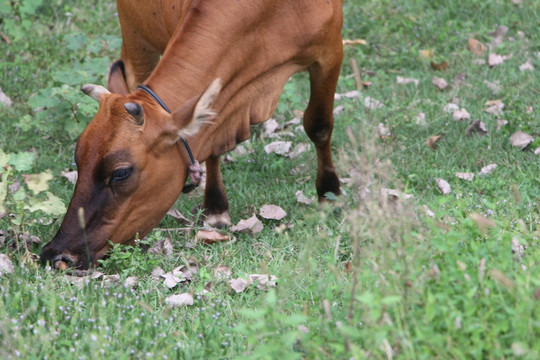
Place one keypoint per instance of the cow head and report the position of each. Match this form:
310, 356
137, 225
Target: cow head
130, 172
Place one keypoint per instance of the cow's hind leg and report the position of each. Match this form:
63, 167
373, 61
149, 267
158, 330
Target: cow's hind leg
216, 204
319, 122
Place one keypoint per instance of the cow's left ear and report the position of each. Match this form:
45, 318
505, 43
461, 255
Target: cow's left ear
116, 78
189, 119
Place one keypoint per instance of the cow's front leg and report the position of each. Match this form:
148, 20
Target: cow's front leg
216, 204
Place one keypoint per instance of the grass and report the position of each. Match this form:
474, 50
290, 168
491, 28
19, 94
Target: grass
360, 278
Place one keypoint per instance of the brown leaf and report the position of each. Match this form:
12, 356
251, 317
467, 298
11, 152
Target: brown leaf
222, 272
272, 212
210, 237
440, 83
162, 247
185, 299
501, 123
496, 59
476, 47
405, 81
278, 147
301, 198
460, 115
349, 95
494, 107
476, 126
4, 99
239, 284
384, 132
426, 54
251, 226
354, 42
372, 104
177, 215
521, 139
526, 66
299, 149
71, 176
443, 186
6, 266
465, 176
131, 282
440, 66
264, 281
348, 267
488, 169
431, 142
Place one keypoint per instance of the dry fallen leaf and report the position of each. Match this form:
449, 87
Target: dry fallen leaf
299, 149
465, 176
301, 198
185, 299
384, 132
517, 249
71, 176
131, 282
440, 83
177, 215
439, 66
222, 272
162, 247
421, 119
494, 107
428, 211
394, 194
263, 281
521, 139
431, 142
4, 99
450, 107
372, 104
496, 59
6, 266
210, 237
494, 86
405, 81
278, 147
537, 151
526, 66
38, 182
476, 126
348, 94
488, 169
272, 212
251, 226
270, 126
443, 186
354, 42
476, 47
180, 274
460, 115
239, 284
501, 123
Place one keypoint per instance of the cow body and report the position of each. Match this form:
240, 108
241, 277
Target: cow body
131, 164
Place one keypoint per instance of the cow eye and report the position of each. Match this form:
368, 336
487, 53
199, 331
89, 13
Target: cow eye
120, 174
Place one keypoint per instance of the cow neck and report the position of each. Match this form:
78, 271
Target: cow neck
194, 169
150, 92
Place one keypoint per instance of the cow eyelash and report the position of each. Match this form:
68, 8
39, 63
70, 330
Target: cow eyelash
120, 174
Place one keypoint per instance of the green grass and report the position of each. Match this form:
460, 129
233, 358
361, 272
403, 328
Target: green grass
361, 278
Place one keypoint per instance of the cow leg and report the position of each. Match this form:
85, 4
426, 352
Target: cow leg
216, 204
319, 122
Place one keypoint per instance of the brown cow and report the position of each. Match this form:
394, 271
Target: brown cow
223, 68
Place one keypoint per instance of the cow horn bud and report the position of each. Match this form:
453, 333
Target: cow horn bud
94, 91
136, 111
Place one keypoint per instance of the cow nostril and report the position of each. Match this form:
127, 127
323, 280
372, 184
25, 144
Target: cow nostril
61, 262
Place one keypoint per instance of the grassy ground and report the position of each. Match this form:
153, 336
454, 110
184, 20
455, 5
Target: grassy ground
362, 278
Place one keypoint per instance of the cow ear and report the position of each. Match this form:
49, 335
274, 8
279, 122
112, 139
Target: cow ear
189, 119
116, 78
